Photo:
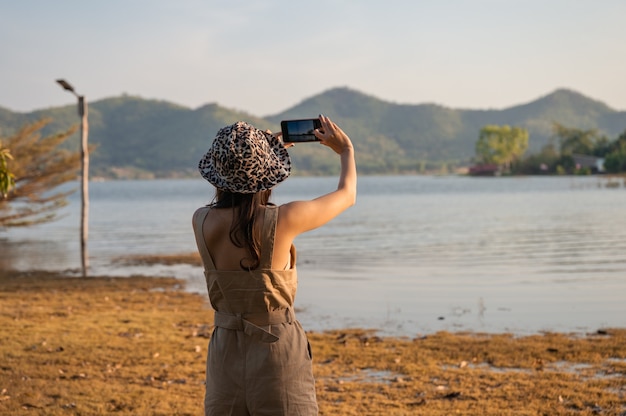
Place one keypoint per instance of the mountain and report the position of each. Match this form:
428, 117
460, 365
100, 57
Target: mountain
134, 135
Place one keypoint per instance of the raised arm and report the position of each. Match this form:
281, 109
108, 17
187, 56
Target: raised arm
301, 216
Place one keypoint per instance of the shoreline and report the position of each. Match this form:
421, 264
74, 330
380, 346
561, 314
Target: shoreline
382, 318
136, 345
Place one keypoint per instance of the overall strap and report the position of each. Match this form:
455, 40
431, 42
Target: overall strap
267, 236
204, 251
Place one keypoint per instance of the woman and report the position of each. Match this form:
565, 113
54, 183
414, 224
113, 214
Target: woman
259, 360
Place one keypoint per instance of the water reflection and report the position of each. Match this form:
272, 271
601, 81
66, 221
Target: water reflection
35, 254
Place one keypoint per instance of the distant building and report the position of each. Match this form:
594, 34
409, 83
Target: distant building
595, 164
485, 170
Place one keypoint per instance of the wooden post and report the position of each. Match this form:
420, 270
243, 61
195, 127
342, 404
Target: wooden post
84, 163
84, 214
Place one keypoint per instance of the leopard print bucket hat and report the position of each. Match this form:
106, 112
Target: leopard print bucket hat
244, 159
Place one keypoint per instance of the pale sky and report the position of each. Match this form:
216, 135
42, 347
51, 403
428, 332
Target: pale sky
264, 56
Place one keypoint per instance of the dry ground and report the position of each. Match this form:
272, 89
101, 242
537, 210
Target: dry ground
136, 346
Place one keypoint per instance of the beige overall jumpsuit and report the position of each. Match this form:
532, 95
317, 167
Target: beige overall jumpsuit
259, 359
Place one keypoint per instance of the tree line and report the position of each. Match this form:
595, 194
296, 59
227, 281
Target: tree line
504, 147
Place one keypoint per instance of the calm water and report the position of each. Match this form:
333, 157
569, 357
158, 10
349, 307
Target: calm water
415, 255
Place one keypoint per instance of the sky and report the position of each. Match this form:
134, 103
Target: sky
265, 56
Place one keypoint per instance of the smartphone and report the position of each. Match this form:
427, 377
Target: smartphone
297, 131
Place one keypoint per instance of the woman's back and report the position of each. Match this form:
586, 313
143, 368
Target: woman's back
226, 255
238, 291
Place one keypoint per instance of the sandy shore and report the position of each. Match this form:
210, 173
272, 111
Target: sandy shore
137, 346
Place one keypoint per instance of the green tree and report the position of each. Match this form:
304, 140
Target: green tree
7, 179
501, 145
615, 161
577, 141
38, 166
619, 143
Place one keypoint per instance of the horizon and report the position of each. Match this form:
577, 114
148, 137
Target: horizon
480, 55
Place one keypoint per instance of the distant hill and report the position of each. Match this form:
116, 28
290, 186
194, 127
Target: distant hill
135, 136
433, 133
138, 137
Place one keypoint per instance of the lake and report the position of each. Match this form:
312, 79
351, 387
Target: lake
416, 254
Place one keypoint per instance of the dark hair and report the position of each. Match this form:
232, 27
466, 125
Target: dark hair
242, 231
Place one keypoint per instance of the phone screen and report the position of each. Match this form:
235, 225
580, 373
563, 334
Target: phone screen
299, 130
